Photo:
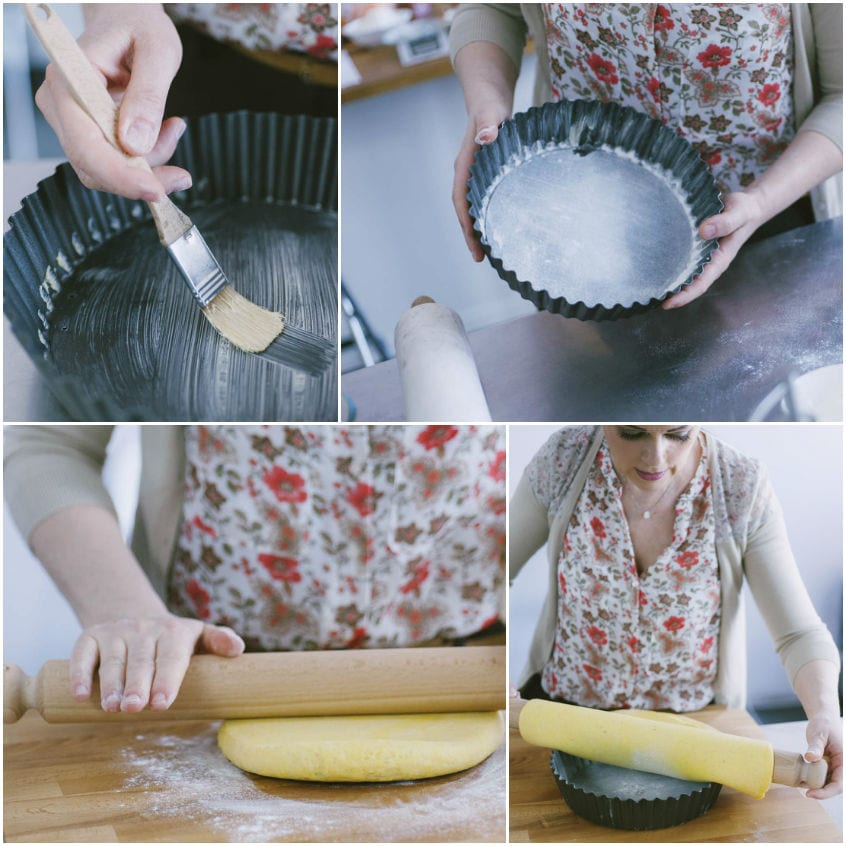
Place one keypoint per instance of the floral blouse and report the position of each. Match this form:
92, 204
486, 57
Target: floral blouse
326, 537
626, 640
719, 74
304, 27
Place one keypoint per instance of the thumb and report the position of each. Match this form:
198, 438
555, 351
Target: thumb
143, 103
221, 640
816, 745
733, 216
487, 123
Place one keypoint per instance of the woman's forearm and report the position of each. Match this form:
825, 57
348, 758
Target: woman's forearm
84, 552
809, 159
816, 686
487, 75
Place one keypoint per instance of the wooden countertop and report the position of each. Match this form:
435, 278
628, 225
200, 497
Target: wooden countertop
157, 782
381, 70
538, 813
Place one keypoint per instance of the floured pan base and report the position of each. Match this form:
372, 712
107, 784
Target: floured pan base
127, 328
619, 783
361, 749
600, 229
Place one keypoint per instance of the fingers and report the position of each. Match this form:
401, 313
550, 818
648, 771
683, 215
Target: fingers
140, 660
143, 661
484, 130
140, 129
97, 163
113, 652
834, 785
142, 107
172, 659
221, 640
83, 663
720, 260
741, 216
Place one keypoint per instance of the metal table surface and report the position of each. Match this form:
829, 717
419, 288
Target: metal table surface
776, 311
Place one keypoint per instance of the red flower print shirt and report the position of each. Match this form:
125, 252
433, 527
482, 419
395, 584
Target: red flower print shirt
323, 537
304, 27
719, 75
626, 640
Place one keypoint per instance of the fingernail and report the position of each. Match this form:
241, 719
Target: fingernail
182, 127
709, 230
81, 691
140, 136
182, 184
485, 135
111, 702
133, 700
160, 701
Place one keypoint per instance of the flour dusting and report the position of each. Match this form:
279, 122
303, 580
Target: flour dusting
602, 228
189, 778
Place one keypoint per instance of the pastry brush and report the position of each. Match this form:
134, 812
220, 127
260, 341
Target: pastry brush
246, 325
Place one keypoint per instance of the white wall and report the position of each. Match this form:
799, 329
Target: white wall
804, 463
400, 235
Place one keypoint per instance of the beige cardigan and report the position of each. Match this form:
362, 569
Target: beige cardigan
48, 468
754, 548
817, 74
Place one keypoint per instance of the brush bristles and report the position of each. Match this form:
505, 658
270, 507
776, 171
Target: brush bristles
256, 330
301, 350
248, 326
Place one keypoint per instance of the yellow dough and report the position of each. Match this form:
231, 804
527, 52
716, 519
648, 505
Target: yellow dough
367, 748
666, 744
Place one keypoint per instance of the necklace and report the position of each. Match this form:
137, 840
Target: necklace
647, 514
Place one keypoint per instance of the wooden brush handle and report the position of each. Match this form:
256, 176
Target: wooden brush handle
288, 684
792, 769
93, 97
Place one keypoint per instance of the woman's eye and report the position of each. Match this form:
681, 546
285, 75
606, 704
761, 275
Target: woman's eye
679, 436
630, 435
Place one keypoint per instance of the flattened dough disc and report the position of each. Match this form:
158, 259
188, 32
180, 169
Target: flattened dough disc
365, 748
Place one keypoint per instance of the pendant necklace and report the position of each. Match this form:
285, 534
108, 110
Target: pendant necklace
647, 514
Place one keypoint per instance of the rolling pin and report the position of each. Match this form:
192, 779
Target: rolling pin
668, 745
438, 374
290, 684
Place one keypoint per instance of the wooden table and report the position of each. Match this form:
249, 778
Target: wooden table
381, 70
169, 782
538, 813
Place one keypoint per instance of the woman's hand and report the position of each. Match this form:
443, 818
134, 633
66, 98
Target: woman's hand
136, 50
733, 227
143, 660
482, 128
809, 159
825, 739
487, 77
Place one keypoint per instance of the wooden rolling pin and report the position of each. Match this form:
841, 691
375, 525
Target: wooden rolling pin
289, 684
666, 744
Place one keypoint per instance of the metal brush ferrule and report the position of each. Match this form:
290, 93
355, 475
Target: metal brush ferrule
198, 266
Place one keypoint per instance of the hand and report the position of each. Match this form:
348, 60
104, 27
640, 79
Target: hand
734, 226
825, 738
143, 660
137, 51
482, 128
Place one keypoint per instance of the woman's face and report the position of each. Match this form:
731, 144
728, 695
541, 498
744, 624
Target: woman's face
648, 457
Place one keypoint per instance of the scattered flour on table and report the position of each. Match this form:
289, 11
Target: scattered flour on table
189, 778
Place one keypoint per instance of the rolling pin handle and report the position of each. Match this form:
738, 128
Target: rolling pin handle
792, 769
17, 693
